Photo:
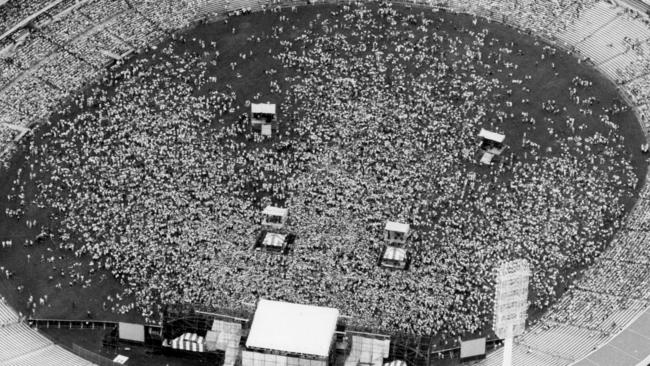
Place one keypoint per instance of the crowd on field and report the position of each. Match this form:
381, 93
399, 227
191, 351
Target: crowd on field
71, 58
157, 177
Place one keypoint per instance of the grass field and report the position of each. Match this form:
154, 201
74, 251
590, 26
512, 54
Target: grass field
549, 78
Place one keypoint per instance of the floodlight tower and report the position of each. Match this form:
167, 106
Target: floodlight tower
511, 303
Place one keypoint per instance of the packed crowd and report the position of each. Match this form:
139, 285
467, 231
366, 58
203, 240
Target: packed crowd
6, 134
60, 57
14, 11
146, 21
159, 179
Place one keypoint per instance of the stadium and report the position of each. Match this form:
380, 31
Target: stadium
262, 183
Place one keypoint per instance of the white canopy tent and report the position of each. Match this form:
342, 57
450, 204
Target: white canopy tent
274, 240
263, 108
188, 342
492, 136
394, 257
395, 232
397, 227
293, 328
262, 118
275, 211
275, 216
395, 254
486, 159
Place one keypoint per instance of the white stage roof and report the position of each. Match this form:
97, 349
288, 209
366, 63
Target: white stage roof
493, 136
275, 211
264, 108
293, 328
396, 226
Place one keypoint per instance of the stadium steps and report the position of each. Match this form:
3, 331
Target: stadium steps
591, 20
211, 7
522, 355
630, 246
239, 4
23, 73
569, 341
637, 72
68, 71
639, 218
135, 37
50, 355
32, 52
97, 11
625, 279
21, 345
618, 30
599, 49
89, 44
7, 314
555, 344
66, 27
615, 67
28, 56
19, 339
595, 310
8, 72
33, 106
9, 114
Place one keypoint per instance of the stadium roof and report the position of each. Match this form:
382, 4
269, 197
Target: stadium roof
264, 108
396, 226
493, 136
275, 211
293, 328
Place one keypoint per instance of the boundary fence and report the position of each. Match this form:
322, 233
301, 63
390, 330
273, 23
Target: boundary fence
72, 324
92, 356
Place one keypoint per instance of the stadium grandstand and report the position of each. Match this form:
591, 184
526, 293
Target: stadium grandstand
20, 345
51, 49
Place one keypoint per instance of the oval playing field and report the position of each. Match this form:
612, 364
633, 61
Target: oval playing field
152, 183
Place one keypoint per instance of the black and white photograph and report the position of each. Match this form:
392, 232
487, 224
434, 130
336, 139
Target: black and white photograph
324, 183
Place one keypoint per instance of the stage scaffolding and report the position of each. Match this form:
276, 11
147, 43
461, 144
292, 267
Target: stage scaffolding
415, 350
225, 331
204, 334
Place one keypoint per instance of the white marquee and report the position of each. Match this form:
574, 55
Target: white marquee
397, 227
263, 108
275, 211
492, 136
